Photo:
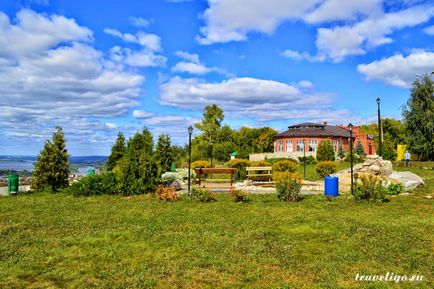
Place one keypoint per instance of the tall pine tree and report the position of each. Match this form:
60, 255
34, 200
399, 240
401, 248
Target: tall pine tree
418, 117
52, 166
164, 153
118, 151
359, 149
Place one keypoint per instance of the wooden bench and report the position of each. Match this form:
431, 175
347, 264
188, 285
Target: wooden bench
253, 175
214, 171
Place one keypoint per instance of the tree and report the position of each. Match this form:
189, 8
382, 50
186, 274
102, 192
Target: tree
164, 153
118, 151
325, 152
359, 149
211, 122
418, 117
52, 166
138, 169
341, 152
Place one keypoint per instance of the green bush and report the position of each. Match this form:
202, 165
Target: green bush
240, 165
325, 152
285, 166
394, 189
326, 168
370, 188
105, 183
288, 186
356, 158
200, 164
202, 195
275, 160
310, 160
240, 196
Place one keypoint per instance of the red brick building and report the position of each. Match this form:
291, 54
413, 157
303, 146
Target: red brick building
291, 141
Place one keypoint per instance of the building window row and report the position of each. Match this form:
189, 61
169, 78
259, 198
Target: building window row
299, 145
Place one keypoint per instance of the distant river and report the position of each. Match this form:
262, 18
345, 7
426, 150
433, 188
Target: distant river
16, 165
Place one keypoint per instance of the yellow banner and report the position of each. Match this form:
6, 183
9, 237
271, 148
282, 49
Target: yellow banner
400, 154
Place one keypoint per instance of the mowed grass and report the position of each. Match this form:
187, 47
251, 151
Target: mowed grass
60, 241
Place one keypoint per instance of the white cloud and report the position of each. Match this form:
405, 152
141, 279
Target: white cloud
50, 74
139, 22
142, 58
264, 100
399, 70
193, 65
295, 55
429, 30
338, 42
147, 40
141, 114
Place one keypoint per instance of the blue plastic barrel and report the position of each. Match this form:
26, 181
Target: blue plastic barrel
331, 186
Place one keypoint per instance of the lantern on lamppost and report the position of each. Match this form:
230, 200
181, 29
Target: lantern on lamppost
190, 132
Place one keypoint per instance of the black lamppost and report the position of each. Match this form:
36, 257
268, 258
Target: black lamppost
190, 131
304, 157
379, 127
350, 128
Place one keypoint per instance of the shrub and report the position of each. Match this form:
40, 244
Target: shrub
170, 177
310, 160
240, 165
370, 188
260, 164
240, 196
200, 164
168, 194
183, 174
326, 168
325, 152
356, 158
275, 160
285, 166
202, 195
105, 183
394, 189
288, 186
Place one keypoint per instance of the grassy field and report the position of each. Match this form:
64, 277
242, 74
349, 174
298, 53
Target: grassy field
59, 241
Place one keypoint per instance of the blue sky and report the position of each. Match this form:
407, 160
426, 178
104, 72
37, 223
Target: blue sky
99, 67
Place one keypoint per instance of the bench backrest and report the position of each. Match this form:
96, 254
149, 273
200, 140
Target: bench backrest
215, 171
258, 169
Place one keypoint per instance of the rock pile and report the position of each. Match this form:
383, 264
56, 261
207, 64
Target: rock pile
375, 165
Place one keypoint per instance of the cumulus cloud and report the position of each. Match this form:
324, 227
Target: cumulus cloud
141, 114
295, 55
51, 74
193, 65
429, 30
399, 70
264, 100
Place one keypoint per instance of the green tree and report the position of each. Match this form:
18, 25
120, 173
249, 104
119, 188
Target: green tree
418, 117
164, 153
211, 122
359, 149
325, 152
52, 166
341, 152
138, 169
118, 151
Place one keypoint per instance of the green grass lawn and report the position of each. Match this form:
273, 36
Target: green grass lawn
59, 241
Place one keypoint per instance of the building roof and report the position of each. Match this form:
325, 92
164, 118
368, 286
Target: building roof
310, 129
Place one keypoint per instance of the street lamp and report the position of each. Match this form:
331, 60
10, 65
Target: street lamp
304, 157
379, 127
190, 131
350, 128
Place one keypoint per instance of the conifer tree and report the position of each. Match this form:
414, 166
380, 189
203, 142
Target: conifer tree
52, 166
341, 152
359, 149
164, 153
325, 152
118, 151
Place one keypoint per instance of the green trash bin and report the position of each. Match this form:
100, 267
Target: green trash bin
13, 183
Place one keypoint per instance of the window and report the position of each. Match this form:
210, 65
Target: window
335, 145
280, 146
289, 146
313, 144
299, 145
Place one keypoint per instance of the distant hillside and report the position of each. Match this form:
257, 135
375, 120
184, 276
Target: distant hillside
72, 159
